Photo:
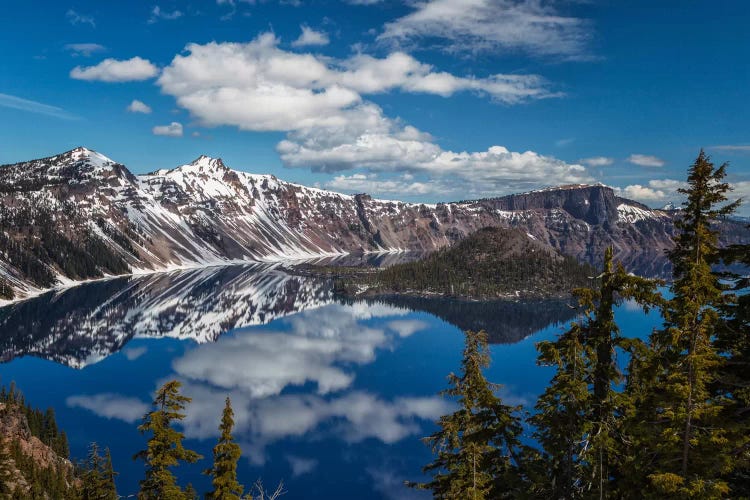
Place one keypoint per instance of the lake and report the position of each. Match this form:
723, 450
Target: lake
330, 396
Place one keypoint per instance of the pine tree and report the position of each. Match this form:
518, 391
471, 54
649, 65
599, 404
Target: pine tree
164, 449
6, 469
478, 445
683, 448
109, 474
578, 416
226, 454
733, 340
97, 477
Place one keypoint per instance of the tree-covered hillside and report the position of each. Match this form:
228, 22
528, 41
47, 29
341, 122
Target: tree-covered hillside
491, 263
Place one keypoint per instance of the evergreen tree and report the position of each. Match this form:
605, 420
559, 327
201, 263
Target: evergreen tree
578, 416
164, 449
733, 340
477, 446
226, 454
6, 469
681, 444
109, 473
97, 477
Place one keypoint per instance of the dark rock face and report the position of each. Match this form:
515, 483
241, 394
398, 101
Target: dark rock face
204, 213
592, 204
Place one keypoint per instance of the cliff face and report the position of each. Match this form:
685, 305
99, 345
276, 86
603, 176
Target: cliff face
591, 204
29, 459
205, 213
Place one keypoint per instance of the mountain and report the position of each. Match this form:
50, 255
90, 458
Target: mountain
80, 215
491, 263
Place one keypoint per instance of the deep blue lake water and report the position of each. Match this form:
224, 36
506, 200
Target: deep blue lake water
330, 397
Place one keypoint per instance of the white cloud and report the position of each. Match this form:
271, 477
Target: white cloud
318, 347
84, 49
406, 327
310, 36
319, 102
113, 70
643, 193
13, 102
301, 466
174, 129
530, 26
657, 190
157, 13
137, 106
133, 353
111, 406
597, 161
646, 160
76, 18
371, 183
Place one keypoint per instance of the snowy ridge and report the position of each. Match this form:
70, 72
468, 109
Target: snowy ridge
205, 214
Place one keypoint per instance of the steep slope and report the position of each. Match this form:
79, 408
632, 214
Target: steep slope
204, 213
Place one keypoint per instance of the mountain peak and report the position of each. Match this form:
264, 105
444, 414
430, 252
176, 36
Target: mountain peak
205, 161
82, 153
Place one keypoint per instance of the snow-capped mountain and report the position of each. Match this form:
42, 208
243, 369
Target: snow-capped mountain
80, 215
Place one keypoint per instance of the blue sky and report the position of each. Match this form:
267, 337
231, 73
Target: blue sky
417, 100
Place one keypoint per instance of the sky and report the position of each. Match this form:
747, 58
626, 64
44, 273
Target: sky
417, 100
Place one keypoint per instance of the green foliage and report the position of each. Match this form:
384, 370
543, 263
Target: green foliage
578, 419
97, 476
164, 449
476, 446
682, 444
491, 263
226, 454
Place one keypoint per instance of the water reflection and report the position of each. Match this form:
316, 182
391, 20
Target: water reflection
83, 325
329, 395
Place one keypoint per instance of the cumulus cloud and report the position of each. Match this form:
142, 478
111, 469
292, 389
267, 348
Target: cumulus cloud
310, 36
174, 129
318, 101
113, 70
76, 18
529, 26
597, 161
111, 406
643, 193
646, 160
371, 183
84, 49
137, 106
656, 190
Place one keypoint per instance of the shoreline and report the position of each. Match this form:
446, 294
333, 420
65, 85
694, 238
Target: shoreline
67, 284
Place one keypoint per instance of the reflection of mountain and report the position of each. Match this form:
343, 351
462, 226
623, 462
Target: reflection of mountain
506, 322
84, 324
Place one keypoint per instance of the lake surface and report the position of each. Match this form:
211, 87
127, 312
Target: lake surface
330, 396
